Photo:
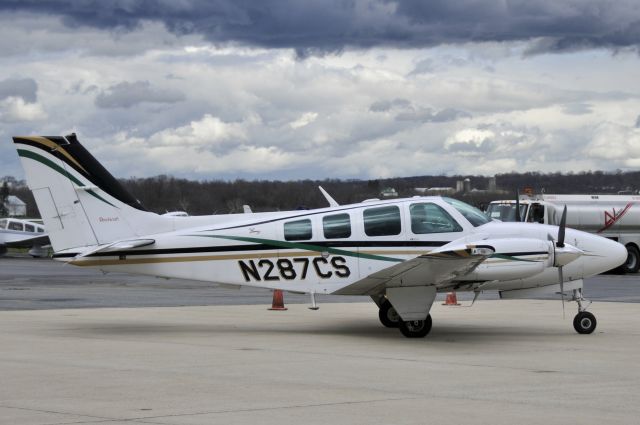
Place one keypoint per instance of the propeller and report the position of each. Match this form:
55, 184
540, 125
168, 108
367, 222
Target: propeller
563, 224
518, 218
560, 244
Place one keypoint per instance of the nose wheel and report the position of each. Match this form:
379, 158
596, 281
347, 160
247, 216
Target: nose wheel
583, 322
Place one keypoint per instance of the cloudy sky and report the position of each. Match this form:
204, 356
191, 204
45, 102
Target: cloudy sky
292, 89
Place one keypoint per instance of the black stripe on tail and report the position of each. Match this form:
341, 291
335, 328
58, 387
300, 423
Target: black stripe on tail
69, 150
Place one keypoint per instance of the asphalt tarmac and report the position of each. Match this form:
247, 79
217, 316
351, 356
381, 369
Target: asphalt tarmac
193, 355
36, 284
499, 363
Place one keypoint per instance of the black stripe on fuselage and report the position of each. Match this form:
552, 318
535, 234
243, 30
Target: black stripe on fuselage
260, 247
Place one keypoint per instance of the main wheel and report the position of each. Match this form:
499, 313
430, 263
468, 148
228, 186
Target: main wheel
584, 322
632, 265
415, 328
388, 315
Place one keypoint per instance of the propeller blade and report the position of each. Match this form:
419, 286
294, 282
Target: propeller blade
563, 225
561, 278
518, 218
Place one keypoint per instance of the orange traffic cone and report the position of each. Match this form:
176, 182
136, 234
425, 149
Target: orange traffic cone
452, 299
278, 301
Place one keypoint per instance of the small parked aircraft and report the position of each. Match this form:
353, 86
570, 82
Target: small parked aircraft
19, 233
400, 252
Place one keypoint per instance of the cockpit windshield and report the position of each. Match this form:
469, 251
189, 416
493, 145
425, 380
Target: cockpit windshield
506, 211
474, 215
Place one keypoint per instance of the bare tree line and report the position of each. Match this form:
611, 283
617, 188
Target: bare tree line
166, 193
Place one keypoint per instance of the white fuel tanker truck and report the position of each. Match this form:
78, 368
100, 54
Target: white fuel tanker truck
615, 217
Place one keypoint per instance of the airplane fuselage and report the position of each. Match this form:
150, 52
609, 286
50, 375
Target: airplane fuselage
323, 250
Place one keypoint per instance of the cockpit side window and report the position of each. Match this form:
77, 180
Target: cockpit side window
382, 221
472, 214
430, 218
299, 230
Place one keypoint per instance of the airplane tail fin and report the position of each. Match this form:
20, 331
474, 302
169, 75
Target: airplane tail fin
80, 202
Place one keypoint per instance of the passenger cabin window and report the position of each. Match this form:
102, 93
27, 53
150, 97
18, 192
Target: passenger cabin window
382, 221
430, 218
29, 228
14, 225
299, 230
336, 226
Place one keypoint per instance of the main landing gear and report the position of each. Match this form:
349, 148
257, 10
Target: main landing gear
388, 315
411, 329
584, 322
415, 328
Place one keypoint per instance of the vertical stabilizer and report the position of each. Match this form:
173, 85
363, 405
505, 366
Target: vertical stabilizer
80, 202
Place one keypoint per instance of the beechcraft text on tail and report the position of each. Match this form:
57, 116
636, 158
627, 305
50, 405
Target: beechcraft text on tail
400, 252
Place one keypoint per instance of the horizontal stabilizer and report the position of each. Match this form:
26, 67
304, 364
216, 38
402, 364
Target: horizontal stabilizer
117, 246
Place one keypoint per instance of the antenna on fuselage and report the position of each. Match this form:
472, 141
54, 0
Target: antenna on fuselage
332, 202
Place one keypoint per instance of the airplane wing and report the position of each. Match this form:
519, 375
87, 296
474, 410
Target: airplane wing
28, 242
431, 269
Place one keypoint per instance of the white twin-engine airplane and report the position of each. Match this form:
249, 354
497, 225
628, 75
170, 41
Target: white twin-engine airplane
400, 252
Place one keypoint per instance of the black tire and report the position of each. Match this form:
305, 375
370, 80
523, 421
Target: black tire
584, 322
415, 328
632, 265
387, 315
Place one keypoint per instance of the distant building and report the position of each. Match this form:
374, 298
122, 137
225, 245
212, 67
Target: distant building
459, 186
388, 192
15, 206
467, 185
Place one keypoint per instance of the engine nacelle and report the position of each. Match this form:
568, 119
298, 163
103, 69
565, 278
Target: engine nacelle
512, 259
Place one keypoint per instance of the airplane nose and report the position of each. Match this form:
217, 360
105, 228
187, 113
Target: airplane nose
611, 254
600, 254
618, 254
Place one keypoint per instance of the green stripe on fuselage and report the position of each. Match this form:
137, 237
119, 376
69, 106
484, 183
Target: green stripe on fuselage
306, 247
512, 258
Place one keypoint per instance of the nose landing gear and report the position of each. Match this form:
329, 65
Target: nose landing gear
583, 322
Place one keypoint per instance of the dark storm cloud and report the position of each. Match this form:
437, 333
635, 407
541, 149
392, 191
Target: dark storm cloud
26, 88
126, 94
319, 26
